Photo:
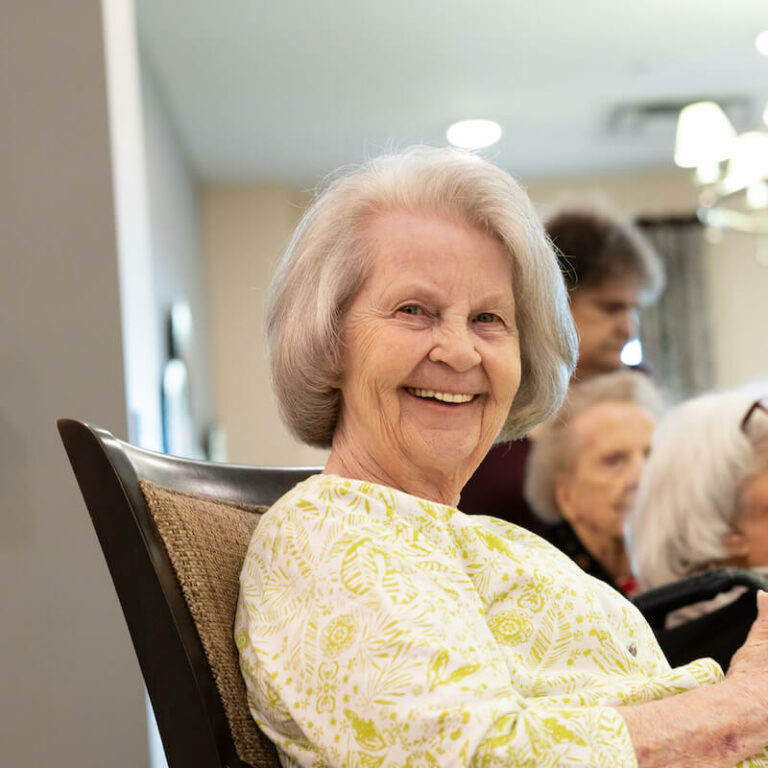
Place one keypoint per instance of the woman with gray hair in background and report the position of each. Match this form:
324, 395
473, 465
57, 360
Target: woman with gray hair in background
585, 466
419, 314
703, 500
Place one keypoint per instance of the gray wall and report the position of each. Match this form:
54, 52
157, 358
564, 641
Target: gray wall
70, 689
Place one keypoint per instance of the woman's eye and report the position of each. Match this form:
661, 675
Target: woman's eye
411, 309
487, 317
614, 459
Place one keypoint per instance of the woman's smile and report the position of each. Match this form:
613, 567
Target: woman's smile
452, 398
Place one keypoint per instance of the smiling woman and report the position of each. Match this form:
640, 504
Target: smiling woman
431, 356
418, 314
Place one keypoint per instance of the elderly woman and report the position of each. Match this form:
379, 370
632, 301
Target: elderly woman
703, 502
417, 316
585, 466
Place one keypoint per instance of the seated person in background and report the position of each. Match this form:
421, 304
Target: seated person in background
703, 500
418, 313
584, 468
610, 270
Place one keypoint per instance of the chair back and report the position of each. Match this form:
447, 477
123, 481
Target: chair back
717, 634
174, 534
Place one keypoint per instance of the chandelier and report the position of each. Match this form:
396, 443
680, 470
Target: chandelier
731, 170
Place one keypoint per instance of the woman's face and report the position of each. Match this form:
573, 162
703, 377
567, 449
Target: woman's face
752, 521
431, 354
605, 317
611, 443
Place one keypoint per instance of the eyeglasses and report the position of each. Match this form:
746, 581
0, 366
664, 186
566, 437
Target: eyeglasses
748, 416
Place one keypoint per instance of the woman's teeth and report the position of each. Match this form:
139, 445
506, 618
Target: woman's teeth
446, 397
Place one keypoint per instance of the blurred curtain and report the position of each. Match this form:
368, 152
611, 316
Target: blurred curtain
675, 331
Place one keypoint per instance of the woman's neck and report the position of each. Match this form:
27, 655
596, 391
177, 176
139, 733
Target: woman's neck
607, 550
359, 465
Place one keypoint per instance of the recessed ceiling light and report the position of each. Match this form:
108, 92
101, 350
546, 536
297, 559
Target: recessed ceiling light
473, 134
761, 42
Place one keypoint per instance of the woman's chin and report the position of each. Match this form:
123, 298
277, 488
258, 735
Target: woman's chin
449, 456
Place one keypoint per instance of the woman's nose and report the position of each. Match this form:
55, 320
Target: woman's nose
627, 324
455, 345
636, 467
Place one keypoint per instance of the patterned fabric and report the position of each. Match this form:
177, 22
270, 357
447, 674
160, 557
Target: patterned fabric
379, 629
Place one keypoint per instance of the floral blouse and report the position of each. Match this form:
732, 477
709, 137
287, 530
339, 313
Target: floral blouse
379, 629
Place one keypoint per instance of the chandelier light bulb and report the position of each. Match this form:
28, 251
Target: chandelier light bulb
704, 135
707, 173
761, 42
757, 195
749, 164
473, 134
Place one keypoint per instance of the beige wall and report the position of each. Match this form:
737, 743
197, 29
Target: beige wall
247, 228
738, 300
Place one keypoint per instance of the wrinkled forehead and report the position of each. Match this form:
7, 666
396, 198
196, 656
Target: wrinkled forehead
397, 239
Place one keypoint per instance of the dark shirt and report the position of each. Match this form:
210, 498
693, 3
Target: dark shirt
496, 488
565, 539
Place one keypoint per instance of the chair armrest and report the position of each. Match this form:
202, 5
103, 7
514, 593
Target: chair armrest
656, 603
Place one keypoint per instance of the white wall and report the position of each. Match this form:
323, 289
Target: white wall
141, 336
70, 688
175, 232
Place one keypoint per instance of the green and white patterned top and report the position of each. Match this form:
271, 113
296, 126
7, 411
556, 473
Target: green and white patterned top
379, 629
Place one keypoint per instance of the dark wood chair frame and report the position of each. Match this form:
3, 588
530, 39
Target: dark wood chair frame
181, 687
718, 633
655, 604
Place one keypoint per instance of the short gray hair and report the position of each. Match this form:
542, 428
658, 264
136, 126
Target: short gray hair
689, 495
326, 263
553, 448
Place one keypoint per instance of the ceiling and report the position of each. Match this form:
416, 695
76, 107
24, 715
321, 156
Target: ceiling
288, 91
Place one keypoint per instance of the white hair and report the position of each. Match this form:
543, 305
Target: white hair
553, 450
326, 263
689, 494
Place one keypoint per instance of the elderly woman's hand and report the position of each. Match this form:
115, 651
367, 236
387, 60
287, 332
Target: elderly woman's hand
712, 727
749, 667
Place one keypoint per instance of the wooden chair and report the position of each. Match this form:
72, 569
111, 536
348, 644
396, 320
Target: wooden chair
174, 533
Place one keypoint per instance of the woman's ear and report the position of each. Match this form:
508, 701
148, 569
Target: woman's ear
563, 495
736, 544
